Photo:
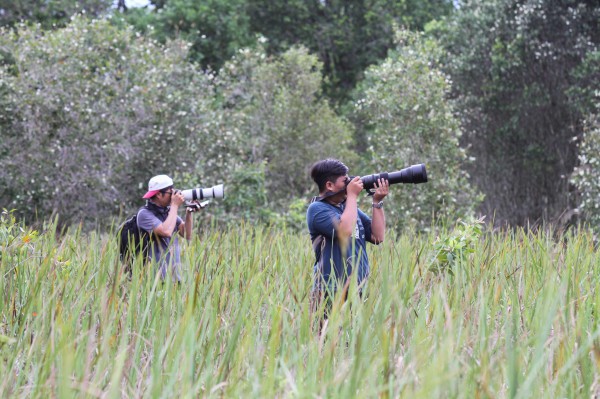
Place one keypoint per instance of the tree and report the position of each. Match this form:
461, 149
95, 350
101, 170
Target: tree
216, 28
404, 118
275, 105
347, 35
49, 13
90, 112
512, 63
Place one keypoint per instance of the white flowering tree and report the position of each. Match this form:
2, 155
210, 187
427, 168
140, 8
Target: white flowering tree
90, 112
586, 177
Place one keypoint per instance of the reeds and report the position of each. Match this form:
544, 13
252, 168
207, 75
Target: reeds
516, 318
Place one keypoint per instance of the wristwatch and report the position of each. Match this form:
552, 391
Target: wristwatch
378, 205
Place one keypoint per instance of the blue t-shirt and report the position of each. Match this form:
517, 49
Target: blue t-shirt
322, 218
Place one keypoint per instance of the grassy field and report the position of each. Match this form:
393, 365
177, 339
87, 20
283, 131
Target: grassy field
516, 318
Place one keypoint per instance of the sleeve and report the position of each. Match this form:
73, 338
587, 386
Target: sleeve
366, 222
147, 221
322, 220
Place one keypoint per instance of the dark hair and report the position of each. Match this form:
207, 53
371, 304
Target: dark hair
327, 170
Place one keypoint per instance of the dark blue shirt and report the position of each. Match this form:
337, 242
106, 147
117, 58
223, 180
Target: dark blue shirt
322, 218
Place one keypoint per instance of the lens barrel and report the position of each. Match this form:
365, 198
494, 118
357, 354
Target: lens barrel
414, 174
204, 193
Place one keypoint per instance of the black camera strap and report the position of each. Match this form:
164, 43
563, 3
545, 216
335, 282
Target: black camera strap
327, 195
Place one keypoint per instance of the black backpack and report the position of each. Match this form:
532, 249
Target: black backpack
133, 241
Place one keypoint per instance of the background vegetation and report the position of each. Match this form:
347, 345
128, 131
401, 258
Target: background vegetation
498, 97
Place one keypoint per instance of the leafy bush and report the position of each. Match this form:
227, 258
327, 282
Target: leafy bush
276, 107
91, 111
452, 250
404, 119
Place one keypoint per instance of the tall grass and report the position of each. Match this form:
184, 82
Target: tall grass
517, 318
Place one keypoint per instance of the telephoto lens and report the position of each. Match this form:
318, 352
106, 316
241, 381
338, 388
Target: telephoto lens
414, 174
201, 193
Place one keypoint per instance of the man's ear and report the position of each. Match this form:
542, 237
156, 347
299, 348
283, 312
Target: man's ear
329, 185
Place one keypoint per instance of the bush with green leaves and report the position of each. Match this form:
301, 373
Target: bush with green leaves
90, 112
276, 107
404, 118
452, 250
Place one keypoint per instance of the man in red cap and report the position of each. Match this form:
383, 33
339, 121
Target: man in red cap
159, 218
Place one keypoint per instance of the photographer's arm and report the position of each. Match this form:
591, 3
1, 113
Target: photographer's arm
167, 228
347, 223
185, 228
378, 220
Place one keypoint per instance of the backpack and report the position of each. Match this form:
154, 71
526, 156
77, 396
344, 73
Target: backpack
133, 241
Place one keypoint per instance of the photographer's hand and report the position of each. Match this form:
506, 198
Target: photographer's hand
354, 187
382, 189
193, 206
177, 199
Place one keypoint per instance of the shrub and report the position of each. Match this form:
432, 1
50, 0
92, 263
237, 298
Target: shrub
90, 112
405, 118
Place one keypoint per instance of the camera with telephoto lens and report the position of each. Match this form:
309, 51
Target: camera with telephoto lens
201, 193
414, 174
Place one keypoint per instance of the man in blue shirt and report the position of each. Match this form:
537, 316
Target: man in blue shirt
339, 230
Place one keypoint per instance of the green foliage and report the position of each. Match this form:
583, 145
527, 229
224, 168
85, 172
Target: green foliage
216, 29
405, 119
49, 13
586, 177
347, 35
295, 217
584, 91
516, 68
16, 240
452, 250
247, 196
90, 112
275, 105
